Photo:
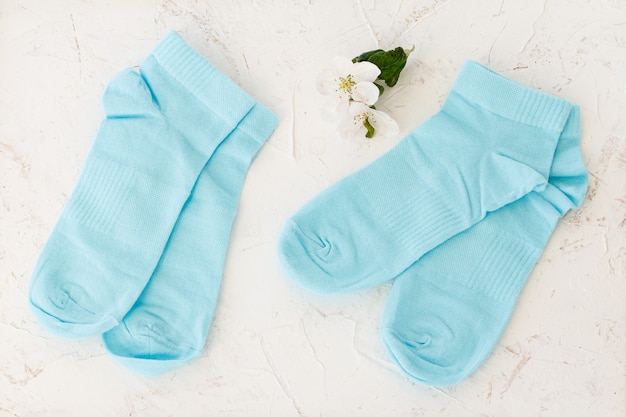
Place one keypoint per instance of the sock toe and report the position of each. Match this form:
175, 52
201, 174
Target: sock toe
419, 356
305, 259
141, 345
438, 332
59, 312
333, 255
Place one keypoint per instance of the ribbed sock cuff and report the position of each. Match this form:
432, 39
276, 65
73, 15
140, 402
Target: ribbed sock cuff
509, 99
213, 89
572, 127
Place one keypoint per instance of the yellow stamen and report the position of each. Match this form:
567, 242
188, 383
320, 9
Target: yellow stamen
346, 84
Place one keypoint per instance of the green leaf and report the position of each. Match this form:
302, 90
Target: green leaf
365, 55
391, 63
370, 129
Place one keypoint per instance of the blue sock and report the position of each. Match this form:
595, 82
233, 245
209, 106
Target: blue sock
447, 311
168, 324
492, 143
162, 125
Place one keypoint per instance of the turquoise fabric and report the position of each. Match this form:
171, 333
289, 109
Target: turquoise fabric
447, 311
492, 143
163, 123
458, 212
168, 325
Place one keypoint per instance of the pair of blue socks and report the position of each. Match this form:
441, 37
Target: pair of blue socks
458, 213
138, 251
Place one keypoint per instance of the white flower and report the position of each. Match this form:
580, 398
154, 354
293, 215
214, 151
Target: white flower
361, 120
349, 82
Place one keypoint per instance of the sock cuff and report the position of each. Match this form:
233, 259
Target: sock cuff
259, 123
212, 88
572, 126
509, 99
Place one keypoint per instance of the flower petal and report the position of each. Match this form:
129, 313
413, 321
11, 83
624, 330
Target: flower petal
341, 104
351, 127
326, 82
365, 92
383, 123
364, 71
357, 108
341, 66
326, 87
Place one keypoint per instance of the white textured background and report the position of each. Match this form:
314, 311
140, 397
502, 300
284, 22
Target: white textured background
274, 349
